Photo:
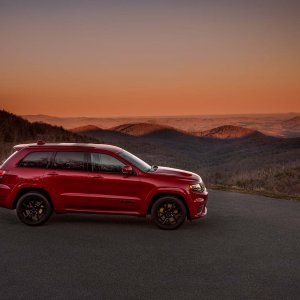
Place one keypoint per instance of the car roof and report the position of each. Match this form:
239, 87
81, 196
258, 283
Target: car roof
69, 145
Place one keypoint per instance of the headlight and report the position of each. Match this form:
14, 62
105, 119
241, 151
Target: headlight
198, 187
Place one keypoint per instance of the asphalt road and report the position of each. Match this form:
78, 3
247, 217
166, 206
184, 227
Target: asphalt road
248, 247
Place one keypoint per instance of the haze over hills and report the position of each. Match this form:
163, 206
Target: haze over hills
269, 124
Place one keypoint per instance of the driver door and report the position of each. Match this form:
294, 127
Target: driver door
112, 190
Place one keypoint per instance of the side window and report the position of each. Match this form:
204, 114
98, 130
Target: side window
36, 160
105, 163
69, 161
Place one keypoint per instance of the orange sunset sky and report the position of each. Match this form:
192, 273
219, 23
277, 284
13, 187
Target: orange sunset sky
128, 58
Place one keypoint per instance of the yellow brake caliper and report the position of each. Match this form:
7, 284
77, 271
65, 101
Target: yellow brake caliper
161, 211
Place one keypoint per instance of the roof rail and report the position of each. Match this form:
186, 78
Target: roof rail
40, 142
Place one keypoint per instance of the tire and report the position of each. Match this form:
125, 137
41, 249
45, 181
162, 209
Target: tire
34, 209
168, 212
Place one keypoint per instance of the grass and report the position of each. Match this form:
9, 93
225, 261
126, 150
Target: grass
253, 192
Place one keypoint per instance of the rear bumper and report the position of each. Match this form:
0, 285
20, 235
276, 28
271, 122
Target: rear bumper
5, 192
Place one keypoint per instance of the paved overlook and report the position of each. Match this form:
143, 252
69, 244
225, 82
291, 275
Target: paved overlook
248, 247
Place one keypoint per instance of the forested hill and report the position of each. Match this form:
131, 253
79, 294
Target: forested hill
14, 130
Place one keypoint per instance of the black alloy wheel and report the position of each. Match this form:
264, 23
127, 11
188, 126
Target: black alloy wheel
33, 208
168, 212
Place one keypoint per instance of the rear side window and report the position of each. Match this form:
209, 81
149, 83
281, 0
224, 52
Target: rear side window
69, 161
105, 163
36, 160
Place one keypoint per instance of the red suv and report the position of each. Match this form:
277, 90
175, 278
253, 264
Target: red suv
38, 179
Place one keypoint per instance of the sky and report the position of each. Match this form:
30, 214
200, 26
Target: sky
147, 58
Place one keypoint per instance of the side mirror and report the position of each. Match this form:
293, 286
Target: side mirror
127, 170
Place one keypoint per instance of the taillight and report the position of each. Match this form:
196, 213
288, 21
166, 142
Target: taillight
2, 173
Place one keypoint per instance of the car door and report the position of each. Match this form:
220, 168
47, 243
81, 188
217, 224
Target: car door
68, 180
113, 191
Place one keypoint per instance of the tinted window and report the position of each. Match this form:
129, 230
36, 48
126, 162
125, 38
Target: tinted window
105, 163
69, 161
36, 160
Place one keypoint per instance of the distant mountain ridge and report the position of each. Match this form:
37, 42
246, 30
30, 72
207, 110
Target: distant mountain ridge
268, 124
140, 129
157, 130
85, 128
228, 132
293, 121
291, 126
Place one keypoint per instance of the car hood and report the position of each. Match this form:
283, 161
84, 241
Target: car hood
177, 173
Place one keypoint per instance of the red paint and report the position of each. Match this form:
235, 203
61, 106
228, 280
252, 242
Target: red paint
131, 191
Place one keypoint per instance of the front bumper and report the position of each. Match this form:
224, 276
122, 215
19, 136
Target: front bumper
198, 207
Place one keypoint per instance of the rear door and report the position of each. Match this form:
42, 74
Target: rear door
68, 180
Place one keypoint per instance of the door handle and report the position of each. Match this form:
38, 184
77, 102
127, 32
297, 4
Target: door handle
52, 174
97, 177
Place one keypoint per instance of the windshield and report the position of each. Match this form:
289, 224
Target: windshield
137, 162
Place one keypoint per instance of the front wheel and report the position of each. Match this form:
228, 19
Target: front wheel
168, 212
33, 208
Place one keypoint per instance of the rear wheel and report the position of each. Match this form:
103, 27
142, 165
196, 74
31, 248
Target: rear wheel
33, 208
168, 212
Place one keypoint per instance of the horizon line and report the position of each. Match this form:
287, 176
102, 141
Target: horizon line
158, 116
